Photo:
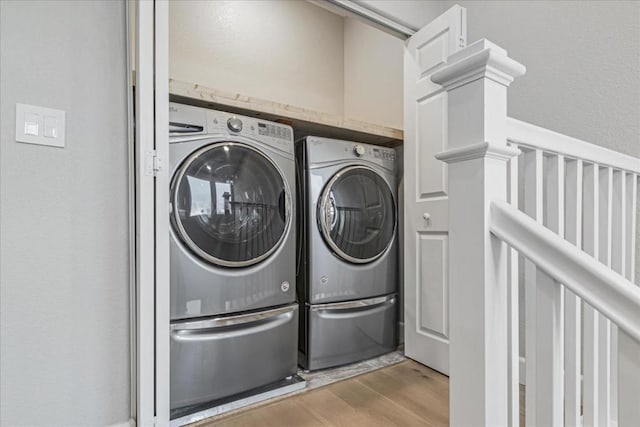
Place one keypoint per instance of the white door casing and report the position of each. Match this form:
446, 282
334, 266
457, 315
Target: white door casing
152, 214
426, 225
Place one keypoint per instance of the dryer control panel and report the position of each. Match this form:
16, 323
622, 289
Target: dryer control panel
384, 153
370, 152
322, 150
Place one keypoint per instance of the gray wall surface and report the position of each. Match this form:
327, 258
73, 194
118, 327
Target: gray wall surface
583, 63
64, 261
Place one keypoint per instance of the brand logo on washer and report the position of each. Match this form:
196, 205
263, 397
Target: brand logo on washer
284, 286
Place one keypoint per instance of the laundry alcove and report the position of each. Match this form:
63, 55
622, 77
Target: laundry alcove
304, 66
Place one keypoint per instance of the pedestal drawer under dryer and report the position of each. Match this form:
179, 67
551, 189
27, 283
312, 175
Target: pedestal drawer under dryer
350, 331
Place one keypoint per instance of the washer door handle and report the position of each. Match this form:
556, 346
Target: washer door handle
282, 205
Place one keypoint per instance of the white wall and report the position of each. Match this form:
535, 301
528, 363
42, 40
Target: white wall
373, 73
64, 249
292, 52
284, 51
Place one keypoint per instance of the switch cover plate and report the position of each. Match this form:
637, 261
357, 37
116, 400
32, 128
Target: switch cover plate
40, 125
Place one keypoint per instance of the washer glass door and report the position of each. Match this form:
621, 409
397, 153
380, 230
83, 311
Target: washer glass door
230, 204
357, 214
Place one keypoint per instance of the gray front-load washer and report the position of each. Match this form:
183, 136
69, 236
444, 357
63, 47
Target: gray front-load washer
232, 254
347, 273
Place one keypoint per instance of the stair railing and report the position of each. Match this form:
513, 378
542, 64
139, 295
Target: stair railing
533, 209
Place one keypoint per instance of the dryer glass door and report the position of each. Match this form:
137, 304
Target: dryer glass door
231, 205
357, 214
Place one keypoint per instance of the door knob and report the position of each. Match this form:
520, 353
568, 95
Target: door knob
426, 216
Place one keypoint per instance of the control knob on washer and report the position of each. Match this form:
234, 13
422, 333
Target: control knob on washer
358, 150
234, 124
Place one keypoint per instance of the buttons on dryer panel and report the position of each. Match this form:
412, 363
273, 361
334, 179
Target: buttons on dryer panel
384, 154
388, 155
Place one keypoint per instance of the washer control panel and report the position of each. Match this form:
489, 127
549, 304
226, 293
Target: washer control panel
275, 134
274, 131
187, 121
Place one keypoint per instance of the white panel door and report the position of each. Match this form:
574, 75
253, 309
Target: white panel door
426, 301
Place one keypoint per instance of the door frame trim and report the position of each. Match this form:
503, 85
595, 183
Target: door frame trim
151, 303
131, 172
369, 15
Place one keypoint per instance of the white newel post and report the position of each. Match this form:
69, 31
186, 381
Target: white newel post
476, 80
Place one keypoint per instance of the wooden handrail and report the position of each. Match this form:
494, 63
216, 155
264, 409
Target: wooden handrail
608, 292
528, 135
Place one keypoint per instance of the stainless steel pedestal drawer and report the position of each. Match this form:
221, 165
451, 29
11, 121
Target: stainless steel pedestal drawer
220, 357
350, 331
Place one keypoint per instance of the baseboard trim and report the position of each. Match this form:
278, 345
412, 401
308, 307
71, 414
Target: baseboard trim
129, 423
294, 386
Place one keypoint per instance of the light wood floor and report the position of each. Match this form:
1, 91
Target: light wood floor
406, 394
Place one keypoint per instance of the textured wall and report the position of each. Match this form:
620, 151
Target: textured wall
583, 63
63, 217
284, 51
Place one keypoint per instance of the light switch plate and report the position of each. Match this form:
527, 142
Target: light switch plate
40, 125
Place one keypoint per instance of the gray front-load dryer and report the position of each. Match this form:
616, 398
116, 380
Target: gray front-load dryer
347, 272
232, 256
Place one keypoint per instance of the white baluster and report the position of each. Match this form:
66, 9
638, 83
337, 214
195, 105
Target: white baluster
618, 259
619, 222
572, 303
592, 319
604, 348
631, 196
549, 310
533, 180
513, 307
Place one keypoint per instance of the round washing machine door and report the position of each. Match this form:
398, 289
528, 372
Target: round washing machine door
231, 204
357, 214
